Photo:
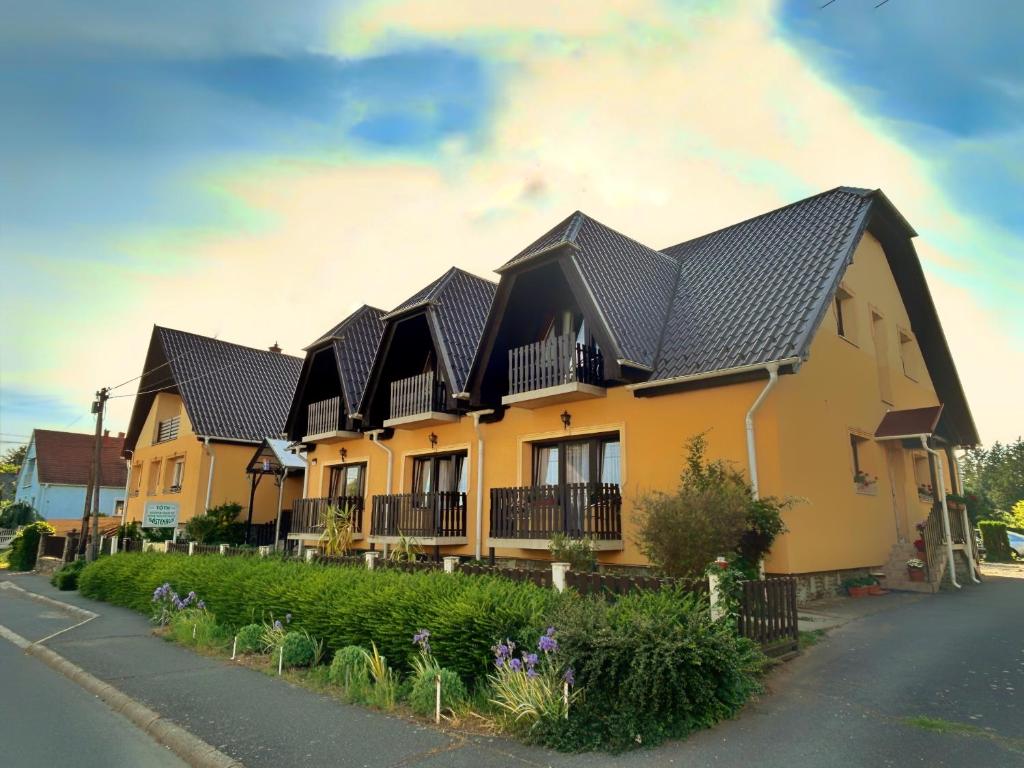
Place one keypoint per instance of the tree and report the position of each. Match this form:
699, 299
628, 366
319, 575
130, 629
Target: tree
16, 514
713, 512
217, 526
995, 477
14, 457
1016, 517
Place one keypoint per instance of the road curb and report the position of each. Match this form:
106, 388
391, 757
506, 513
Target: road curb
184, 744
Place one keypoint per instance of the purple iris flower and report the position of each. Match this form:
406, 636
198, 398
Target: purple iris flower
515, 665
570, 677
278, 625
547, 643
201, 605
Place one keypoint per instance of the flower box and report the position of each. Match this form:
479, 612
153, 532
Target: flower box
916, 574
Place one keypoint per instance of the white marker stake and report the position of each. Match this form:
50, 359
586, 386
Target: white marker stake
234, 648
280, 661
193, 631
565, 697
437, 708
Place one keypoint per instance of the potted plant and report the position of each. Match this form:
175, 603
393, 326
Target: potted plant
955, 502
864, 481
915, 569
856, 587
874, 588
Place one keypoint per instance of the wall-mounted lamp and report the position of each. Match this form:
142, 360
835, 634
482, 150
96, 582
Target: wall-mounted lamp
566, 419
433, 440
344, 453
314, 462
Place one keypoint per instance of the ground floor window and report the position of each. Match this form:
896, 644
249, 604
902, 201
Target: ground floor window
442, 473
865, 477
346, 480
568, 462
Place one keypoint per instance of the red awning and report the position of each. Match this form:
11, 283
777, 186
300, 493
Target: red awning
908, 423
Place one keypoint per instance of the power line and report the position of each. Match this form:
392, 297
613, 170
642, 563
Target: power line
179, 383
151, 370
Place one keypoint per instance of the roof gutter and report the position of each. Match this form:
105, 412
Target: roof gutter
722, 372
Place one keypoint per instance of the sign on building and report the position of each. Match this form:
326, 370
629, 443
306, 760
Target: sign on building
160, 514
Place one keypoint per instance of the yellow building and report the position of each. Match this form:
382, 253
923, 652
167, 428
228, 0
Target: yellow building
202, 411
493, 416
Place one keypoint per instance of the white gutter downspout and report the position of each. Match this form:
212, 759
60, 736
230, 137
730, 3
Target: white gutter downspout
755, 489
127, 485
209, 481
305, 474
945, 509
374, 435
958, 487
280, 503
478, 549
773, 378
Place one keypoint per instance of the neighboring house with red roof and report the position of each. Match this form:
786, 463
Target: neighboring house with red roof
55, 473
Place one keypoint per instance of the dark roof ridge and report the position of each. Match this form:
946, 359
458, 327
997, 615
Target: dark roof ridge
332, 333
632, 239
221, 341
858, 191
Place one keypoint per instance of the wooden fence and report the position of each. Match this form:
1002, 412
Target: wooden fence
177, 546
768, 614
608, 584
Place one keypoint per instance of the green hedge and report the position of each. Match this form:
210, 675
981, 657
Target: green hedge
25, 545
997, 543
341, 605
650, 666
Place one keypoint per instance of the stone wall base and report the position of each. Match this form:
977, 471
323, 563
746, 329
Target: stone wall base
815, 586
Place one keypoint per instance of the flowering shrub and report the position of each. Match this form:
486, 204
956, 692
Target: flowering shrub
274, 633
915, 563
166, 603
426, 670
529, 687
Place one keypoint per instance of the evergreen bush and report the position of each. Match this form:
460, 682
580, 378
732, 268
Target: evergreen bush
66, 579
25, 545
250, 639
423, 694
997, 543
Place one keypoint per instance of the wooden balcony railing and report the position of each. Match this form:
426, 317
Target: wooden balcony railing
592, 510
558, 360
419, 515
324, 416
956, 525
418, 394
308, 514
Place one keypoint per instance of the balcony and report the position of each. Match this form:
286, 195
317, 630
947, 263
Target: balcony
432, 519
556, 370
308, 516
527, 518
325, 419
419, 401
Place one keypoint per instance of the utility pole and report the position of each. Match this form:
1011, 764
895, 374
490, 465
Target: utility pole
92, 493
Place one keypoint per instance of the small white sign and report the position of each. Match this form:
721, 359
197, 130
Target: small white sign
160, 514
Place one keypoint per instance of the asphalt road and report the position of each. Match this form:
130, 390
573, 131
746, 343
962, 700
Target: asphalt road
932, 682
47, 720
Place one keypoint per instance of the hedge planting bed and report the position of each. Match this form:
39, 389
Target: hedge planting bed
648, 666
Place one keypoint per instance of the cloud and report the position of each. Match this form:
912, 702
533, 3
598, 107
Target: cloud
663, 121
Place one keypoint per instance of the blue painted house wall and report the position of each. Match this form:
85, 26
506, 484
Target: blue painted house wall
59, 502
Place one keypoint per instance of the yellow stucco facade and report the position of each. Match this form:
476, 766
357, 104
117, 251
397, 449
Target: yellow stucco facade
803, 439
153, 470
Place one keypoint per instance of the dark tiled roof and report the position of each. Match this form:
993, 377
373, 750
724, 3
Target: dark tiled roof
911, 421
229, 391
755, 292
459, 301
354, 348
632, 284
65, 458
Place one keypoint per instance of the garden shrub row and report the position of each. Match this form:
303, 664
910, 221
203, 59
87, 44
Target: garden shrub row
647, 667
343, 606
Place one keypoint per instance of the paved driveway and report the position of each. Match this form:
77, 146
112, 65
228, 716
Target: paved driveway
931, 682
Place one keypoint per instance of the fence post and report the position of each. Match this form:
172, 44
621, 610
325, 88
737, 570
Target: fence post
450, 564
167, 545
191, 548
223, 549
715, 596
64, 554
371, 560
310, 554
41, 545
558, 571
263, 551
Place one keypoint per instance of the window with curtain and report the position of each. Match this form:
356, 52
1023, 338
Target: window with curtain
346, 480
444, 474
568, 462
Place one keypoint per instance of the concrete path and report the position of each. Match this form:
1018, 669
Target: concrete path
933, 681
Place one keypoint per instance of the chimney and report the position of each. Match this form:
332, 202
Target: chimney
275, 348
106, 433
120, 435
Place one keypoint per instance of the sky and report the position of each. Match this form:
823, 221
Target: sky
255, 170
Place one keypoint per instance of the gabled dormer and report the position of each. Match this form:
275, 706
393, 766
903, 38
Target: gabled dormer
333, 378
421, 369
580, 309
